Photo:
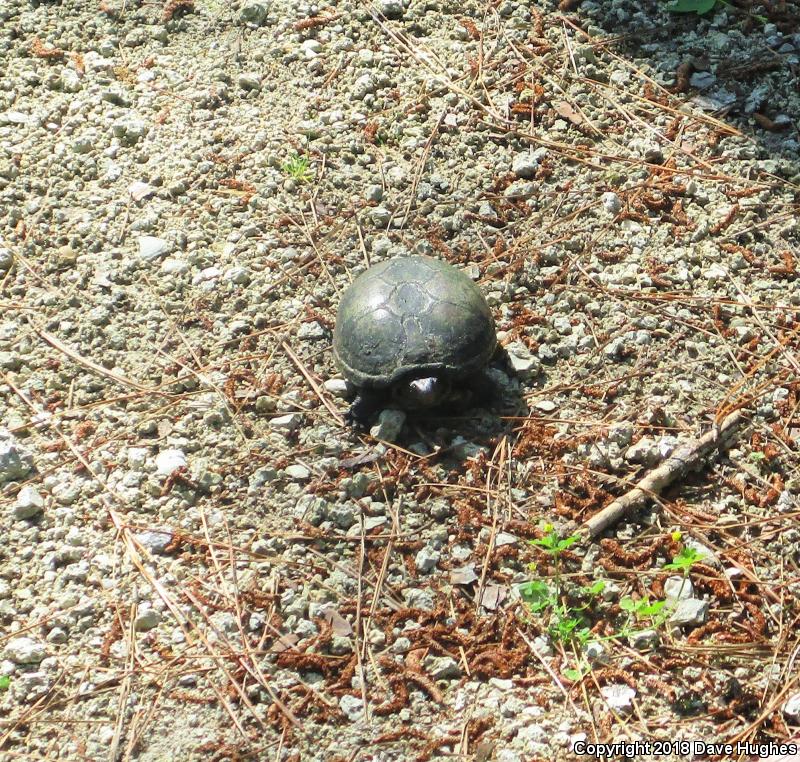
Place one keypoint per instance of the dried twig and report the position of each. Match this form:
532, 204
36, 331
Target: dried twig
684, 459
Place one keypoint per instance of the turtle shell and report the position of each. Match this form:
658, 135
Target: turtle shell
410, 316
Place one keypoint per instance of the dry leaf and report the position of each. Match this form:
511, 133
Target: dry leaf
284, 643
463, 576
493, 596
339, 625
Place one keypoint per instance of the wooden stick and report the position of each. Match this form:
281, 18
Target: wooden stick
684, 459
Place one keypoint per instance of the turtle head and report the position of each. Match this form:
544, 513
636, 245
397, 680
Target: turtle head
424, 392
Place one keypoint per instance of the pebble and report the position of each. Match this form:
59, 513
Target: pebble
611, 202
151, 248
525, 165
29, 503
426, 559
155, 541
6, 259
146, 619
15, 461
596, 652
618, 696
168, 461
792, 707
443, 668
352, 707
525, 365
678, 588
254, 12
129, 131
24, 650
297, 472
249, 80
390, 424
392, 9
690, 611
288, 422
338, 387
644, 639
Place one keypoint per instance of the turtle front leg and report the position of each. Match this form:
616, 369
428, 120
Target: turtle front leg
365, 405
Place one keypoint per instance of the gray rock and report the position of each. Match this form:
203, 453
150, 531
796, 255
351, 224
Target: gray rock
24, 650
10, 360
129, 130
297, 472
611, 202
443, 667
690, 611
596, 652
678, 588
151, 248
6, 259
288, 422
390, 424
30, 686
254, 12
392, 9
426, 559
373, 193
154, 540
352, 707
702, 80
29, 502
521, 189
401, 645
644, 639
146, 619
249, 80
525, 165
380, 216
525, 365
15, 461
418, 598
338, 387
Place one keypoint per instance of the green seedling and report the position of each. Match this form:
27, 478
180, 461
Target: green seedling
576, 674
297, 168
684, 561
643, 608
5, 682
537, 595
701, 7
552, 543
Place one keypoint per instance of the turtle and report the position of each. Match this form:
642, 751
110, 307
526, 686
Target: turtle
414, 332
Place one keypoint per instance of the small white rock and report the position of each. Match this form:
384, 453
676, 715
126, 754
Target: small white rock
678, 588
146, 619
792, 707
618, 696
690, 611
390, 424
297, 472
338, 387
352, 707
151, 248
168, 460
611, 202
285, 422
24, 651
29, 502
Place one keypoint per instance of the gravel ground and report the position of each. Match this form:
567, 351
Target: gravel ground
201, 562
